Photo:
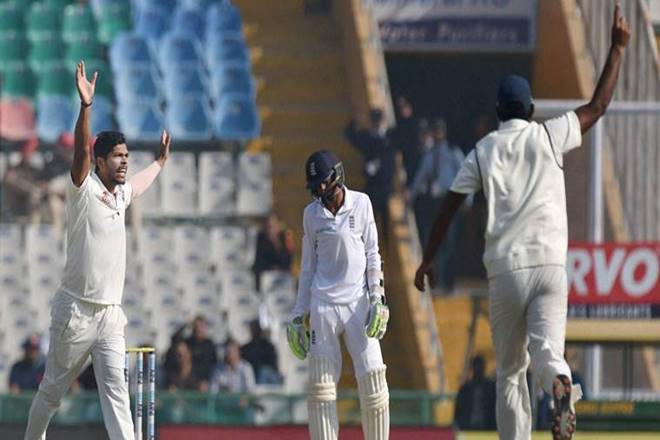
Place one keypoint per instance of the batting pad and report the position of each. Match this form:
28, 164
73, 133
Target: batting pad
322, 399
375, 405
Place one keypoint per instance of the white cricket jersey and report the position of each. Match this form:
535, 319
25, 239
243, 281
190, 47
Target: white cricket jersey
337, 250
96, 241
520, 168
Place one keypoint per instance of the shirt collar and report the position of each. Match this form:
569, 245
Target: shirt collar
513, 124
349, 201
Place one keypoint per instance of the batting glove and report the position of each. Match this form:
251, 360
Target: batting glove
379, 316
297, 335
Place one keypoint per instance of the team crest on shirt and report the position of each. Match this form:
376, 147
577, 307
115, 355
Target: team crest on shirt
109, 200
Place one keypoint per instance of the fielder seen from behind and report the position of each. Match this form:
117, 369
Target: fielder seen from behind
340, 292
519, 169
86, 316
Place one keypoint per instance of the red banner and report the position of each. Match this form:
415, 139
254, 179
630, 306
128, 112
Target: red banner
613, 273
193, 432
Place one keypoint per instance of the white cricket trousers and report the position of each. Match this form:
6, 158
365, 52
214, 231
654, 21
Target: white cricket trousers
527, 312
79, 329
329, 321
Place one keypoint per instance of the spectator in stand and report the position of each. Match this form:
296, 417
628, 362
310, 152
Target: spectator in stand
275, 248
405, 138
261, 354
234, 375
202, 349
181, 376
379, 163
475, 402
27, 373
22, 189
55, 174
436, 173
422, 199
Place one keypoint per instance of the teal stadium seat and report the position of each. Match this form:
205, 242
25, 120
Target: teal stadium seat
13, 51
43, 21
46, 53
18, 82
11, 18
84, 49
55, 80
114, 19
78, 23
59, 4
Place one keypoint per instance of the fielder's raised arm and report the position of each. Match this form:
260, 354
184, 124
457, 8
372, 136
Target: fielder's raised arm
82, 156
143, 180
589, 113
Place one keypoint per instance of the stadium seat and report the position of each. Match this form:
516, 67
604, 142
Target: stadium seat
53, 116
188, 119
227, 50
236, 118
189, 22
155, 241
166, 5
11, 19
55, 80
217, 196
140, 122
59, 4
43, 22
17, 122
217, 187
202, 5
11, 246
114, 18
179, 185
102, 116
255, 166
18, 82
228, 244
104, 85
130, 50
151, 23
232, 79
82, 49
13, 51
137, 85
279, 281
43, 248
254, 198
178, 50
46, 53
191, 248
78, 23
223, 18
180, 82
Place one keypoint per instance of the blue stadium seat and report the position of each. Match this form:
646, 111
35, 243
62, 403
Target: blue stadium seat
178, 50
54, 113
190, 22
232, 78
151, 23
165, 5
180, 81
140, 121
202, 5
236, 118
222, 18
136, 85
188, 119
102, 116
226, 50
130, 49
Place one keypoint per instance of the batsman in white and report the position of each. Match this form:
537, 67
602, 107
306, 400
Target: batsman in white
86, 316
341, 291
519, 169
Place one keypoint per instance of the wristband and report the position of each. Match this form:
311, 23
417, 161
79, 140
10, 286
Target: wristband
82, 103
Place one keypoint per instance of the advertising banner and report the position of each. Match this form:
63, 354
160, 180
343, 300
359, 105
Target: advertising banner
613, 280
457, 25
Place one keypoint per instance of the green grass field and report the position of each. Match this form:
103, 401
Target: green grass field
577, 436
